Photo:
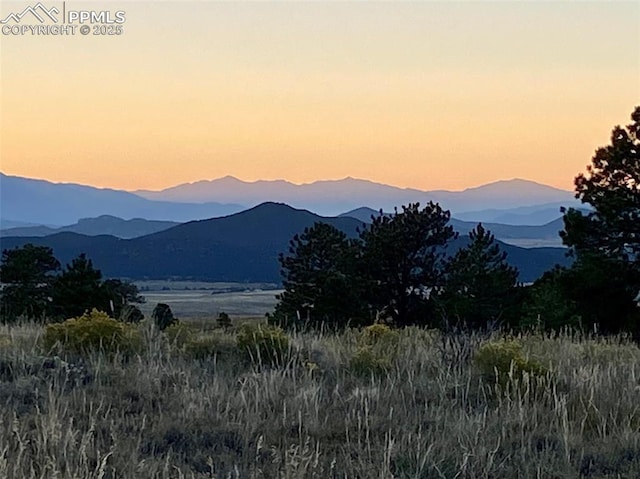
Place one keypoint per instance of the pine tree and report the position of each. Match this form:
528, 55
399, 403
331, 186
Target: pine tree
78, 289
480, 285
26, 275
606, 241
611, 187
402, 261
321, 286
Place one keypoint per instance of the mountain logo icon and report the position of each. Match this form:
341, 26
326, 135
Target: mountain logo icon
39, 11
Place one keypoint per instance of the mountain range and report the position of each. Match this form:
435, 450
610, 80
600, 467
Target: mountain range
46, 203
43, 202
334, 196
242, 247
525, 236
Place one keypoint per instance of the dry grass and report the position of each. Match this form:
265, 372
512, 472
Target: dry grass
164, 414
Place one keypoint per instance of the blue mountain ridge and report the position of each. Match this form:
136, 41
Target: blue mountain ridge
242, 247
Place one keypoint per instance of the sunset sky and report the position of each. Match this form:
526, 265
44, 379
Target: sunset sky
430, 95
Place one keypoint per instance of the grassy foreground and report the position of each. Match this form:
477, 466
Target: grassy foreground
330, 408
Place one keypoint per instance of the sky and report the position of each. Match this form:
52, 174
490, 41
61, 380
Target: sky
428, 95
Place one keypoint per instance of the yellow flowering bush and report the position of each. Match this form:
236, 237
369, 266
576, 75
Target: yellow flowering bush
94, 331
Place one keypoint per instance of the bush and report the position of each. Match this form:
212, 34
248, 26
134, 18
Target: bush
94, 331
193, 344
366, 361
178, 334
263, 344
218, 345
223, 320
379, 334
130, 314
163, 316
376, 351
502, 361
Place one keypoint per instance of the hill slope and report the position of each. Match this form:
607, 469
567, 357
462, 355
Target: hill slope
102, 225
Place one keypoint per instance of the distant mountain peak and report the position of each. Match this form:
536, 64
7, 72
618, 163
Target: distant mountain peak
229, 178
516, 184
101, 217
272, 206
269, 205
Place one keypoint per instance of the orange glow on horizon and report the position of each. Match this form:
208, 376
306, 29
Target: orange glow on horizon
430, 95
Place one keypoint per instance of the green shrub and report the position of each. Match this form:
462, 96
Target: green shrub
263, 343
212, 345
379, 334
502, 361
366, 361
194, 344
178, 334
94, 331
376, 350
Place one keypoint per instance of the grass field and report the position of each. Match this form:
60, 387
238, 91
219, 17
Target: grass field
199, 299
413, 405
201, 303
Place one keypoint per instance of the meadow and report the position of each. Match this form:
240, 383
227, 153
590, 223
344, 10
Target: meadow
200, 299
190, 402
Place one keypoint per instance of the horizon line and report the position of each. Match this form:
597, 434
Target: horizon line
501, 180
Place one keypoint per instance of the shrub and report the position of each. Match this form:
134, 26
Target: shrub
212, 345
367, 361
223, 320
94, 331
178, 334
502, 361
379, 334
193, 344
263, 343
376, 350
163, 316
130, 314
